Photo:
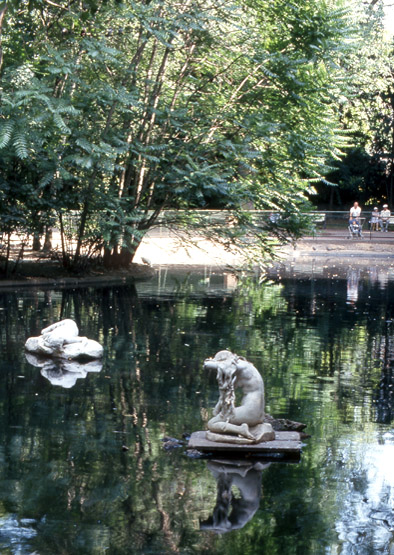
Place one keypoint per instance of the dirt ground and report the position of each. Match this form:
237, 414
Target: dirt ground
328, 248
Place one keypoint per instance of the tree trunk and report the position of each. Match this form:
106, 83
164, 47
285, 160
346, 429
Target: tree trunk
65, 256
115, 259
3, 9
48, 239
107, 257
81, 232
8, 254
125, 257
391, 177
331, 205
36, 242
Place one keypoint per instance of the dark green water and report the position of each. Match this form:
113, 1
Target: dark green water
83, 469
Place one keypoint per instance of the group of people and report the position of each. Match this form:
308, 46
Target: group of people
379, 219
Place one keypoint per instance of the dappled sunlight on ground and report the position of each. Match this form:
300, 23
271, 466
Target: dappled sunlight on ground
172, 251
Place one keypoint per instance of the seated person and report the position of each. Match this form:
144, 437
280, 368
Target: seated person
375, 220
355, 226
385, 218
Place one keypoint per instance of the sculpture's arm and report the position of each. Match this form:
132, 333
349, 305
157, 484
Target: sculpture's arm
77, 339
218, 407
210, 364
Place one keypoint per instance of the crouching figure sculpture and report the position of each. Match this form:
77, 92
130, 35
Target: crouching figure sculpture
62, 340
243, 424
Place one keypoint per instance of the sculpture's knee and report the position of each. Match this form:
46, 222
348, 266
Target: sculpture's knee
217, 426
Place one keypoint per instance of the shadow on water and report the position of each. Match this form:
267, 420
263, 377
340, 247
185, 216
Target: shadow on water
83, 469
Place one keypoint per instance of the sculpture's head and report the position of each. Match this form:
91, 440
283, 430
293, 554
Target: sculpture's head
224, 355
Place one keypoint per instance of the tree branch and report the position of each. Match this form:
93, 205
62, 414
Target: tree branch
3, 9
56, 5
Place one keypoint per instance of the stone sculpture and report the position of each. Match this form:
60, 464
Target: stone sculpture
62, 340
243, 424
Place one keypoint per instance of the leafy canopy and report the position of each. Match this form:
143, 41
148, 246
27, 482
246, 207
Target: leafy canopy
119, 111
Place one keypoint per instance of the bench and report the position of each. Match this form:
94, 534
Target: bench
319, 218
316, 218
391, 222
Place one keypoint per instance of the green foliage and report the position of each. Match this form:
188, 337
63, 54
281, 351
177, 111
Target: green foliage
151, 106
359, 175
365, 172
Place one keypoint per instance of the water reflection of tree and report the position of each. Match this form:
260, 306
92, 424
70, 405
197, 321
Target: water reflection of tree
320, 360
318, 337
82, 467
384, 395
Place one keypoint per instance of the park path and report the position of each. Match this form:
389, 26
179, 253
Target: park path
166, 248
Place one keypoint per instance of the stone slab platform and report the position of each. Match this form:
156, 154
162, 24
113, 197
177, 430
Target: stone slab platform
286, 443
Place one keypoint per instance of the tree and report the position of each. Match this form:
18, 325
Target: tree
140, 107
365, 170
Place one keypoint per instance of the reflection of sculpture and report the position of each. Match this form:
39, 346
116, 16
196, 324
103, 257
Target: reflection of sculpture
246, 476
353, 280
63, 372
62, 340
247, 420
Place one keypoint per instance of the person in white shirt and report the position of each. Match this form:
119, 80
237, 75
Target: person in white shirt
355, 211
385, 218
354, 219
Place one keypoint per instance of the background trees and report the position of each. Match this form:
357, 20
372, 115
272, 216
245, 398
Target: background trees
365, 170
113, 111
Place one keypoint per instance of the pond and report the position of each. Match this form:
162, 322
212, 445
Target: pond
83, 464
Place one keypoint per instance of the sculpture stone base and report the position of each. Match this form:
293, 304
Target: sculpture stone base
286, 445
262, 433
